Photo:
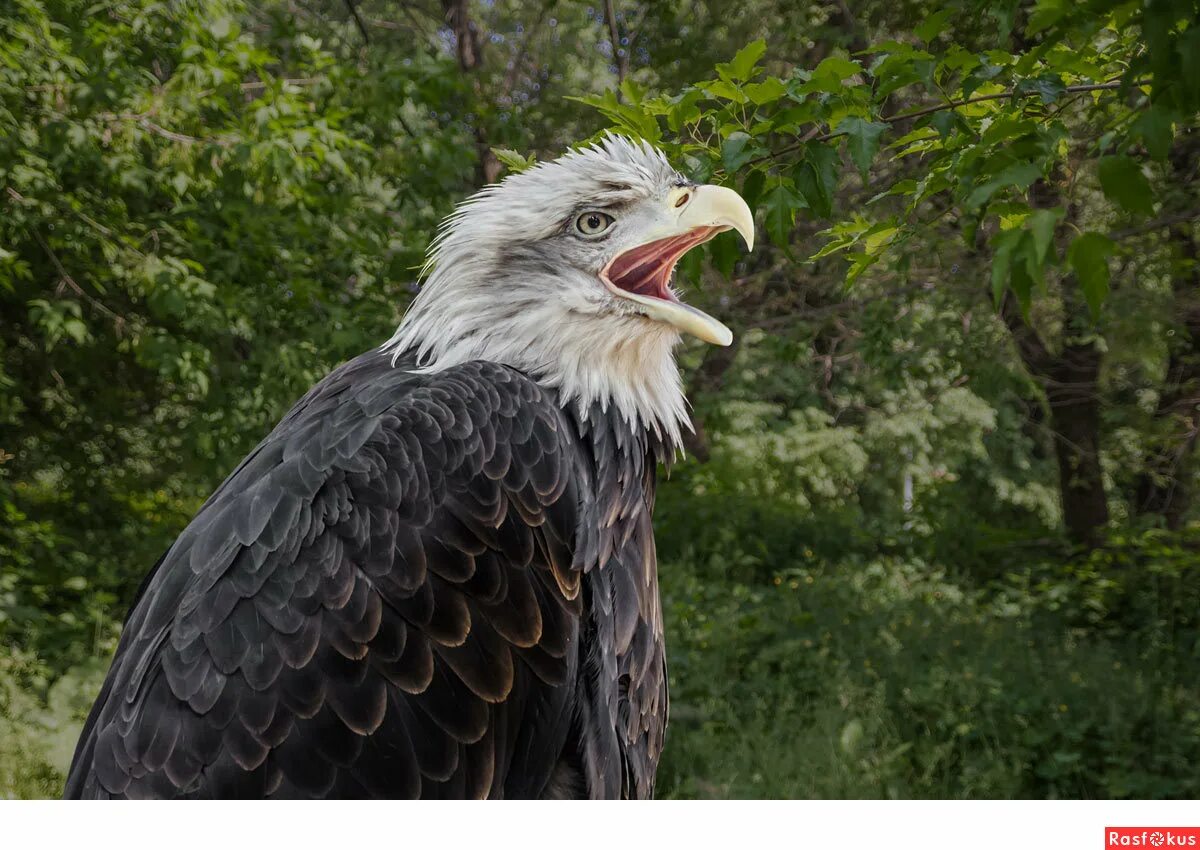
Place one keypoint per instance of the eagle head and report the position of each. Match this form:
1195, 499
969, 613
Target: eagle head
564, 271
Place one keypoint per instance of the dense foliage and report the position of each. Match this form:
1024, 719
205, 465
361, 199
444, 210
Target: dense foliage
936, 535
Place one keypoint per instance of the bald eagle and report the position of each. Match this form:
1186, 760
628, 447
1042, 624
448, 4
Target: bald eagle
436, 576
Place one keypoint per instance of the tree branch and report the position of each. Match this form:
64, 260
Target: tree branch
1158, 223
510, 78
258, 85
1034, 353
954, 104
358, 21
65, 279
143, 121
468, 44
620, 56
931, 109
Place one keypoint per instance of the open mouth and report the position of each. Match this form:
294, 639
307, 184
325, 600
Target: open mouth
641, 275
646, 270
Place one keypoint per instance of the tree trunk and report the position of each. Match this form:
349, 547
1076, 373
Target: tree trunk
620, 54
468, 47
1071, 393
1165, 486
1070, 380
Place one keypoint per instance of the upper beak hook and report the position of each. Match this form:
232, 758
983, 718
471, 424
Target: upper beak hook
716, 206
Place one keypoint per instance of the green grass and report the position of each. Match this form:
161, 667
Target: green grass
892, 680
888, 678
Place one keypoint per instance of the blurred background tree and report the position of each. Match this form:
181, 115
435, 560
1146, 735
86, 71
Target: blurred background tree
936, 534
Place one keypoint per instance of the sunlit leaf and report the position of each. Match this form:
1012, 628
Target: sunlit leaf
770, 89
1041, 224
741, 68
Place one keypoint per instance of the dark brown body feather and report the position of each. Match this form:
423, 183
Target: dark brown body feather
419, 585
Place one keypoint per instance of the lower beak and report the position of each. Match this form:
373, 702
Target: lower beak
643, 273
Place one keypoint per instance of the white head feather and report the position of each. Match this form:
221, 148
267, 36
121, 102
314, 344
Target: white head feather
508, 281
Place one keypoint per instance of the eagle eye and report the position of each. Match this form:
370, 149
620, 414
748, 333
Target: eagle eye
593, 223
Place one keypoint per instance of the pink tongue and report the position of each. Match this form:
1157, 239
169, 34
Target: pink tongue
646, 269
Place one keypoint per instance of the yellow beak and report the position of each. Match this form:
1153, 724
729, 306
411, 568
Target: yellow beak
716, 206
642, 273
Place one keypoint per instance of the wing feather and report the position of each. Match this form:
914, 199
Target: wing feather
372, 604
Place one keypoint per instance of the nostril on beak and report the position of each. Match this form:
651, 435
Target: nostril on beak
683, 199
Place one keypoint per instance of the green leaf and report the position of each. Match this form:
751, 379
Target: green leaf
837, 67
690, 267
737, 150
724, 89
634, 92
862, 140
1019, 175
1017, 264
626, 117
1088, 256
841, 237
1049, 87
1125, 185
1045, 14
1189, 68
984, 72
1041, 225
513, 160
684, 109
898, 70
946, 122
859, 263
769, 90
816, 178
933, 26
781, 204
1003, 245
879, 237
725, 252
742, 66
1031, 262
1156, 130
699, 169
1021, 282
958, 59
752, 187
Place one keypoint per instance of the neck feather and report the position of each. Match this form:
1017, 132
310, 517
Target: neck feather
618, 362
